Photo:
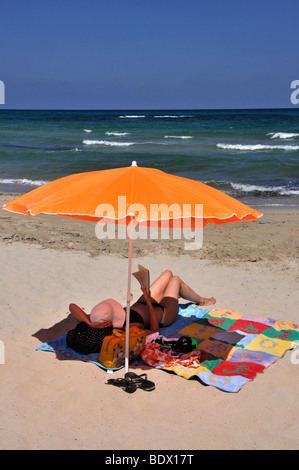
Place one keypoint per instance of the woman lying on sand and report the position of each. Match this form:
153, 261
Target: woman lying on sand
151, 311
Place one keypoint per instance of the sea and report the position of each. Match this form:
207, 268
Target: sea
252, 155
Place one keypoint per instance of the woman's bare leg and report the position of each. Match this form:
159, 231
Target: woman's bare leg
178, 288
168, 285
158, 287
167, 289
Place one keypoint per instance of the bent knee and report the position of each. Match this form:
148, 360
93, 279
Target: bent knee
174, 283
168, 273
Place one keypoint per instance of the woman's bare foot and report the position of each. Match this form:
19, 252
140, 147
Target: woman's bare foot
204, 302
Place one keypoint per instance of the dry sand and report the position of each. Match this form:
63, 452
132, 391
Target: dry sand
46, 403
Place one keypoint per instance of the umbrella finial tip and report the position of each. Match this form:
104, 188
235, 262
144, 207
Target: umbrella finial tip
134, 163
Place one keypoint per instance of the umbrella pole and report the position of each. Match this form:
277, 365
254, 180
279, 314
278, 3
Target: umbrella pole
129, 298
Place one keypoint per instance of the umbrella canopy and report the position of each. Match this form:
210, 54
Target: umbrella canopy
144, 196
79, 196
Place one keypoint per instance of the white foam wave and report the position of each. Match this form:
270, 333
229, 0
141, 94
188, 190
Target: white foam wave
133, 116
175, 116
257, 147
24, 181
283, 135
87, 130
107, 143
117, 134
178, 137
250, 188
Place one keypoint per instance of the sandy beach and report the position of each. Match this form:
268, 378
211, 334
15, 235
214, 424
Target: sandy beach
48, 262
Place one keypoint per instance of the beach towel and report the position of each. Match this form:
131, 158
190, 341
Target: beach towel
60, 347
233, 348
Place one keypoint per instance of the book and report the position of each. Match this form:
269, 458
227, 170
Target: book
143, 277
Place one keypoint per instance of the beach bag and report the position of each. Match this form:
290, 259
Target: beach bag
86, 340
113, 350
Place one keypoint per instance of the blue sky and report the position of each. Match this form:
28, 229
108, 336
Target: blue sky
155, 54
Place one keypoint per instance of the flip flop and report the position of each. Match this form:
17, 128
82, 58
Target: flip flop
140, 381
125, 384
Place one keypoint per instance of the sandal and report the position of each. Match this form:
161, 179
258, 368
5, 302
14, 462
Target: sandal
140, 381
126, 385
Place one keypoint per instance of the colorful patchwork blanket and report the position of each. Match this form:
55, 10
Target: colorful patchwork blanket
233, 348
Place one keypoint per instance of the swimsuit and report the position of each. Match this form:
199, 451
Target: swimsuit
135, 317
155, 304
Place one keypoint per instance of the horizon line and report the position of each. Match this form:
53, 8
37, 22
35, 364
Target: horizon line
151, 109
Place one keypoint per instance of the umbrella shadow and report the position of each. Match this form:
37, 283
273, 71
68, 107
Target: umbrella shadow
57, 330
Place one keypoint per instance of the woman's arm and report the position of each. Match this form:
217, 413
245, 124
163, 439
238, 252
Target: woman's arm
153, 321
80, 315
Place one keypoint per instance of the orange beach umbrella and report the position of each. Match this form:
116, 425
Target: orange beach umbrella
79, 195
133, 195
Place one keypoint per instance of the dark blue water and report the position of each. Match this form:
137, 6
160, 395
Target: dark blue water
250, 154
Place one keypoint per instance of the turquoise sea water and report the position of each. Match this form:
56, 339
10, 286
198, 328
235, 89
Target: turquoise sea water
252, 155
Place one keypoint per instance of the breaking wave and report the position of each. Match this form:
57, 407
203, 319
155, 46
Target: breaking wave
131, 116
24, 181
118, 134
264, 190
283, 135
256, 147
171, 116
107, 143
178, 137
